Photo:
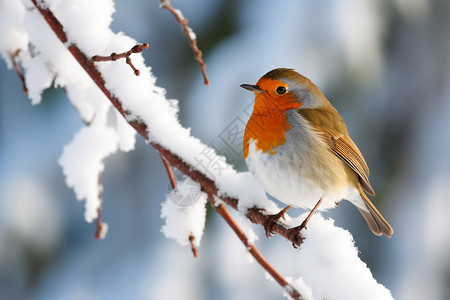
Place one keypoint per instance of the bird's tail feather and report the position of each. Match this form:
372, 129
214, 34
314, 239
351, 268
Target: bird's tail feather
374, 219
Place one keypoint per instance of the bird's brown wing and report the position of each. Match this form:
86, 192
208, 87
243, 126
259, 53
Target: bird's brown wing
334, 131
345, 149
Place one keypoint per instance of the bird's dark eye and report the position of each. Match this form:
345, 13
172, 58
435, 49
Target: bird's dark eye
281, 90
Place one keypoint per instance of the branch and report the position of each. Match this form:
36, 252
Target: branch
255, 215
165, 4
114, 56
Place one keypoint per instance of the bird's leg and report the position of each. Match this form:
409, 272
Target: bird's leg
294, 233
273, 219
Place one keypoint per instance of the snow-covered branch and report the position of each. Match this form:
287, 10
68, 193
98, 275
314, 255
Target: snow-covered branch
256, 215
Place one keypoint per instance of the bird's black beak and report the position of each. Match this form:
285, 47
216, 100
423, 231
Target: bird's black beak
251, 87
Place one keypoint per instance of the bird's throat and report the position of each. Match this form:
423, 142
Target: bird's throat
268, 125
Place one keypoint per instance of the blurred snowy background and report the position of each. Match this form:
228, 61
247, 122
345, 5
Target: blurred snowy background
385, 65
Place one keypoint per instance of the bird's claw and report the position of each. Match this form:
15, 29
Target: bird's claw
269, 224
293, 234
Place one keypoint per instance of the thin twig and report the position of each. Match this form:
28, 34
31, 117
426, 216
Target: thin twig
165, 4
114, 56
169, 170
255, 215
194, 249
19, 71
225, 214
101, 229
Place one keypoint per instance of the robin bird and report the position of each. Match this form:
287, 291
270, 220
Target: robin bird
298, 148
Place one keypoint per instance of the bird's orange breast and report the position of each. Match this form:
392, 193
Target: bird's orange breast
268, 123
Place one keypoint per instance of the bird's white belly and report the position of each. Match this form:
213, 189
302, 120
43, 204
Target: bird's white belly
292, 182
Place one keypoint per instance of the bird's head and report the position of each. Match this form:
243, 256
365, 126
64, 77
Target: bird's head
286, 89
